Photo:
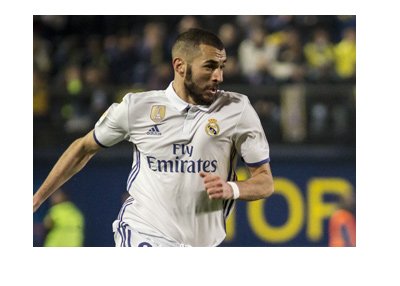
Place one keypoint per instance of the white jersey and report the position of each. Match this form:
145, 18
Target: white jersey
172, 143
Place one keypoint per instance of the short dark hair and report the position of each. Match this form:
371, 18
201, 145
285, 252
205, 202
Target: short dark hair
188, 41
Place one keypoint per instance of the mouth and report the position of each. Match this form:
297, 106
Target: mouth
213, 90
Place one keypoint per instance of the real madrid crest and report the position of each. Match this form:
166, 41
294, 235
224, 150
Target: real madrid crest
212, 127
157, 113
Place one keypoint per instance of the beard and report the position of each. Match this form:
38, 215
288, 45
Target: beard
195, 91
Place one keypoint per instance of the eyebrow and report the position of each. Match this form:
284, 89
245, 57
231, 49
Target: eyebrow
214, 62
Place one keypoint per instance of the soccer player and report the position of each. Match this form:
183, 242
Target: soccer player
186, 140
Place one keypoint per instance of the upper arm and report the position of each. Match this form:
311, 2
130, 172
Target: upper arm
249, 137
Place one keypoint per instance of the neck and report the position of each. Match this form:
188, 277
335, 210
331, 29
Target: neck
181, 91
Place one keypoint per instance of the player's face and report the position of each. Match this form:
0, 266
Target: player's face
204, 74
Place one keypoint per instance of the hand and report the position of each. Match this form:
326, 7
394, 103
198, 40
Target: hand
216, 187
36, 204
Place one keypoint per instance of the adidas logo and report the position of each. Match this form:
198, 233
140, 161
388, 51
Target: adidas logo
154, 131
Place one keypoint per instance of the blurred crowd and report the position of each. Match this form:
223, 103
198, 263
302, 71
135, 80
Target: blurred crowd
81, 64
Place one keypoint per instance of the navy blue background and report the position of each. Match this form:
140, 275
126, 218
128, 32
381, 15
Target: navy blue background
99, 188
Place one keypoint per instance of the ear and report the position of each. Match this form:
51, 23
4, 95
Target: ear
179, 66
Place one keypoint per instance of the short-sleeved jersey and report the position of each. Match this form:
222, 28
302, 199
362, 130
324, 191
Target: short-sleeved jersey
172, 143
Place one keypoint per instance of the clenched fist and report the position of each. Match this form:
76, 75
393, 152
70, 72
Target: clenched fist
216, 187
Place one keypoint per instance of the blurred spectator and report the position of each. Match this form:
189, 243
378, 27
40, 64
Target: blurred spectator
94, 78
121, 54
319, 56
152, 57
40, 95
93, 53
307, 24
344, 22
276, 23
228, 34
67, 52
289, 64
40, 106
247, 22
42, 61
56, 23
81, 63
319, 121
256, 57
64, 222
345, 55
186, 23
342, 224
162, 75
70, 102
270, 117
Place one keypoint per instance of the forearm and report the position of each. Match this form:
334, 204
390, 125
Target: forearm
70, 163
257, 187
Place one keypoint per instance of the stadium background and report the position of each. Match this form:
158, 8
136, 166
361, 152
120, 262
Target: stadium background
304, 93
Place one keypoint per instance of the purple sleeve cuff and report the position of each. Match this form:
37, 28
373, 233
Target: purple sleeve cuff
97, 141
256, 164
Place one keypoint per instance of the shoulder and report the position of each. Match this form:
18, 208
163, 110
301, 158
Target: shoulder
234, 98
137, 99
144, 95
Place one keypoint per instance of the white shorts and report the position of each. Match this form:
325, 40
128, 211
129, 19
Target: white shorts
126, 236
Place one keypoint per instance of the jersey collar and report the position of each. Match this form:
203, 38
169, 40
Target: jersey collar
179, 103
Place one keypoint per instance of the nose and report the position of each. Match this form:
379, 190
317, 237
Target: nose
218, 75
